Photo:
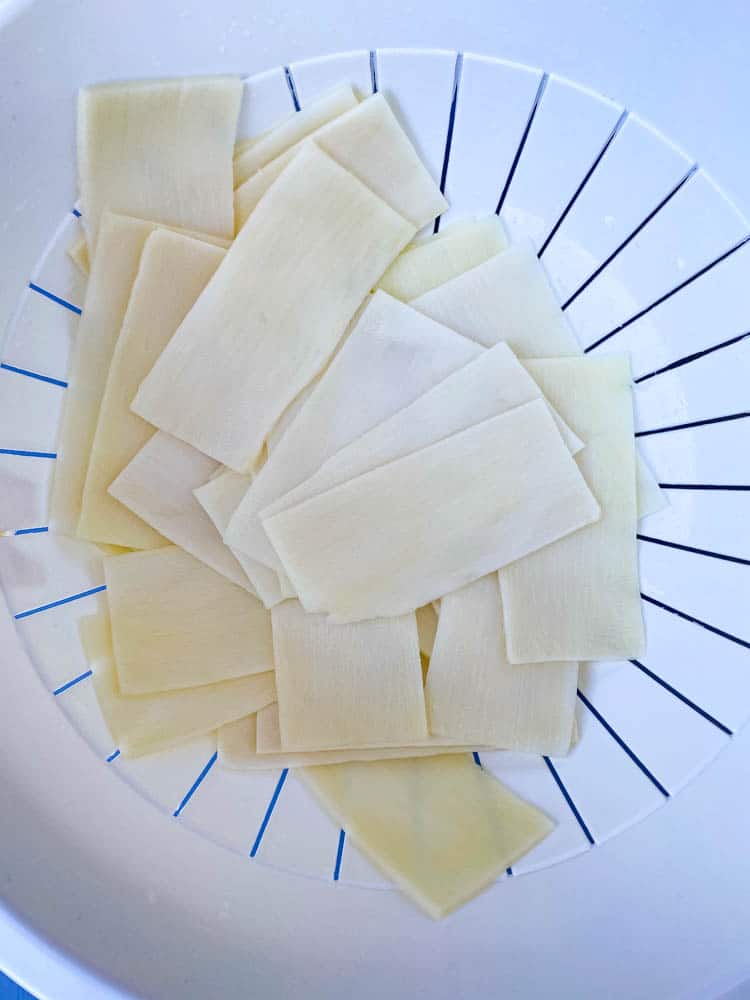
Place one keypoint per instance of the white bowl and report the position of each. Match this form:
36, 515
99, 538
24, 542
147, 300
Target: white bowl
648, 256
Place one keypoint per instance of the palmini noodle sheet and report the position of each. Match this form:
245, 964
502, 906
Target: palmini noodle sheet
350, 686
176, 623
414, 529
274, 312
143, 724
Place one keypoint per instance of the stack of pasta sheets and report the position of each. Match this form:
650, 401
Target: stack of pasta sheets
372, 505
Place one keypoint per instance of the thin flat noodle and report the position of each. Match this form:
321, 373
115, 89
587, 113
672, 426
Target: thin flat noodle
507, 298
160, 150
237, 747
392, 356
143, 724
292, 130
369, 142
114, 269
580, 598
121, 242
273, 312
474, 694
177, 624
439, 258
353, 685
173, 271
492, 383
477, 827
410, 531
158, 486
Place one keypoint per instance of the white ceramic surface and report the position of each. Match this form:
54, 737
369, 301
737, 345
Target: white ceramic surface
646, 735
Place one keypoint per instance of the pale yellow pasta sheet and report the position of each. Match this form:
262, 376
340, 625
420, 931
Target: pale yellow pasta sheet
176, 623
474, 694
442, 828
369, 142
160, 150
143, 724
507, 298
349, 685
274, 312
392, 356
414, 529
238, 747
256, 153
173, 271
579, 599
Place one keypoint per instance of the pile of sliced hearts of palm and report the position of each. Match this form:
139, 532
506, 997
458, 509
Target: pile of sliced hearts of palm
373, 505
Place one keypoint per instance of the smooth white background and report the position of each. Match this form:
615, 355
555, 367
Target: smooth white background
660, 912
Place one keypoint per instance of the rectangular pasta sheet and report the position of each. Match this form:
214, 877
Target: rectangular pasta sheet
410, 531
428, 263
441, 828
491, 383
177, 624
369, 142
160, 150
390, 358
274, 312
475, 695
237, 747
142, 724
173, 272
348, 685
292, 130
579, 599
158, 485
107, 293
507, 298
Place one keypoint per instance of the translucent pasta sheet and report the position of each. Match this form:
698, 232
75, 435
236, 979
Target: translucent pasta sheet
369, 142
274, 311
507, 298
488, 385
390, 358
292, 130
172, 273
160, 150
142, 724
388, 807
404, 534
357, 685
176, 623
579, 599
474, 694
237, 747
107, 293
